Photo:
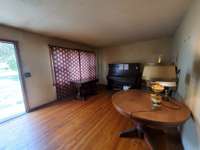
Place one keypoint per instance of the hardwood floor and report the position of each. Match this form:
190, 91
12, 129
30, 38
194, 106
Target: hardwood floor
73, 125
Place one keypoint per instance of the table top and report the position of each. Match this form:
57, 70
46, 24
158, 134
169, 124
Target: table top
84, 81
137, 105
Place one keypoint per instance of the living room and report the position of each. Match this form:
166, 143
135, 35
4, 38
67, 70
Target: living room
62, 66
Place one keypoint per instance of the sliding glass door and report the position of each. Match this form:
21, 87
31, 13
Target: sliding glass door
11, 96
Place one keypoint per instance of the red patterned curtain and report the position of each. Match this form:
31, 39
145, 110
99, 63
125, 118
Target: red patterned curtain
88, 65
69, 65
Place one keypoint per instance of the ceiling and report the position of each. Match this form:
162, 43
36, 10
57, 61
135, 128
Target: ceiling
97, 23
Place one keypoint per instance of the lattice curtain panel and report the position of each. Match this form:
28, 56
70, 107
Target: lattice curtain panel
88, 65
70, 65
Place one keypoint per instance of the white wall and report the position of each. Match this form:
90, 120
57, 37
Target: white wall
34, 53
187, 43
142, 52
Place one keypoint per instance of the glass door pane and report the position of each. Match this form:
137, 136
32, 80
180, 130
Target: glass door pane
11, 96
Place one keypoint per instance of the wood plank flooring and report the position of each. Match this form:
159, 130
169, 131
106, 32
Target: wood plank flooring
70, 125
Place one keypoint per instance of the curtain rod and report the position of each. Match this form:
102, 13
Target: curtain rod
71, 48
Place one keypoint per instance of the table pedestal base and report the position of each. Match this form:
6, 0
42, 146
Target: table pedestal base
156, 139
132, 133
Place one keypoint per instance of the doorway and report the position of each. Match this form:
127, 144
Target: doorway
11, 90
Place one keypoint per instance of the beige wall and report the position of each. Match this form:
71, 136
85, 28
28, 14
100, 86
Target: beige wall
35, 58
187, 42
143, 52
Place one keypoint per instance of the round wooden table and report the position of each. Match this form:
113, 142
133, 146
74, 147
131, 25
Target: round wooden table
137, 105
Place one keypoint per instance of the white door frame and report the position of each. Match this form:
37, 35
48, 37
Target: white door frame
20, 70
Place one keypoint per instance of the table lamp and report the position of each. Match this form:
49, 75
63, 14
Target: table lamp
162, 74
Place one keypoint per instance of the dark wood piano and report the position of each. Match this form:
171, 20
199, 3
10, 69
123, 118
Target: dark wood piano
127, 74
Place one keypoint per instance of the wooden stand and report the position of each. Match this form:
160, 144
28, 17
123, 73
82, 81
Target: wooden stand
84, 88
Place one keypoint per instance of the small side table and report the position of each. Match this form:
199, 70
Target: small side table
84, 88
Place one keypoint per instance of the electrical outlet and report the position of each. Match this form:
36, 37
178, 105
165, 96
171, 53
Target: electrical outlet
27, 74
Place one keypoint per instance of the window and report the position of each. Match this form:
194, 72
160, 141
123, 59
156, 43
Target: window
69, 65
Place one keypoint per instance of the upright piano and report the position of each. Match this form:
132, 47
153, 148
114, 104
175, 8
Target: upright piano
127, 74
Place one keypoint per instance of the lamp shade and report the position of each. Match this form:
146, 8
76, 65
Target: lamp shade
159, 73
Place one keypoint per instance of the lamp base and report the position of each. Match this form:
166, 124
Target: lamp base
166, 96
